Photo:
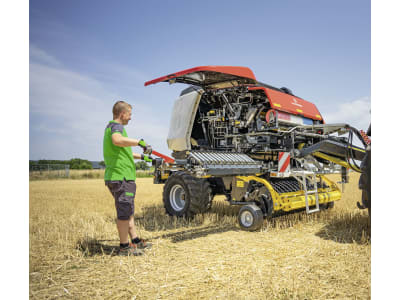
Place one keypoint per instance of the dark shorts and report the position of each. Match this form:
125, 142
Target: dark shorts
124, 193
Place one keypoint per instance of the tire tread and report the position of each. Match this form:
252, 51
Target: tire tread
199, 191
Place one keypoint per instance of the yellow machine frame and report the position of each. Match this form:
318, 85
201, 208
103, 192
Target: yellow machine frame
296, 200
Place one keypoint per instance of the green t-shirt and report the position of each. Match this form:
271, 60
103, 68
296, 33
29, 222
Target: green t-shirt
118, 160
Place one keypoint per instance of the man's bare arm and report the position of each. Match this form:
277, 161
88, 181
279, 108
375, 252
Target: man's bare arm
137, 156
121, 141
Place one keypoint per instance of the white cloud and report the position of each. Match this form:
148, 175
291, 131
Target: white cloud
41, 56
69, 111
355, 113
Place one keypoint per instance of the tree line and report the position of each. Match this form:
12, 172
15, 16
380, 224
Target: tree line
74, 163
82, 164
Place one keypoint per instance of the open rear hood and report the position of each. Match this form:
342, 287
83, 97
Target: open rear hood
210, 76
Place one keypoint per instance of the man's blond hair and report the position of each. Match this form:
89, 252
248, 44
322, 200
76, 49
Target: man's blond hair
119, 107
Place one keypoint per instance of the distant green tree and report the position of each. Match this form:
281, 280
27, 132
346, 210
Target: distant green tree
81, 164
74, 166
142, 165
85, 166
102, 163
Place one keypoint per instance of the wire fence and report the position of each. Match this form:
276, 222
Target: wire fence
46, 171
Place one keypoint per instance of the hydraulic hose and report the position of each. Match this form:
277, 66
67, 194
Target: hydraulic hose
349, 152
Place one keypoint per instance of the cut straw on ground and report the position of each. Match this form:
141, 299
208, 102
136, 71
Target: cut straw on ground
74, 241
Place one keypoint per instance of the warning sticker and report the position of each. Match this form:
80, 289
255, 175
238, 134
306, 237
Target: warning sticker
240, 183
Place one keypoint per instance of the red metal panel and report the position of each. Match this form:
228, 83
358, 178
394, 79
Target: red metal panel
291, 104
237, 71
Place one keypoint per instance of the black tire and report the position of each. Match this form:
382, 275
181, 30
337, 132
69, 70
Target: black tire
186, 196
366, 196
323, 206
330, 205
250, 217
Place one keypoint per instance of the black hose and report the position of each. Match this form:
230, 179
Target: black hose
349, 152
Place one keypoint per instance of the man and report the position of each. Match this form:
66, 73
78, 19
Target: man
120, 176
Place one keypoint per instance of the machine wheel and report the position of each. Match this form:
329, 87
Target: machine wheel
324, 206
366, 195
250, 217
185, 195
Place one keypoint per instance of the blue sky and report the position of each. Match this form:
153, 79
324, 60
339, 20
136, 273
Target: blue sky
85, 55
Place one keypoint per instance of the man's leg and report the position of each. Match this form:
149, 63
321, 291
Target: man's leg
125, 210
132, 229
141, 244
123, 229
125, 246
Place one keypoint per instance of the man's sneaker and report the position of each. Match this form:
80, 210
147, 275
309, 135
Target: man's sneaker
143, 245
132, 249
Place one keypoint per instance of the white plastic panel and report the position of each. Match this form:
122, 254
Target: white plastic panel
182, 119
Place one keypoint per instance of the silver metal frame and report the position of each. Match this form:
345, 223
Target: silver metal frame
301, 177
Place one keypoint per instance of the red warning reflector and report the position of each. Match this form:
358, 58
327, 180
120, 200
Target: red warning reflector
284, 162
365, 137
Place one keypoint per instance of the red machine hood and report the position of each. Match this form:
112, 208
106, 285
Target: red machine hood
206, 76
290, 103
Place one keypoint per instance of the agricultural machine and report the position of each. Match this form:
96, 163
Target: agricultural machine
262, 147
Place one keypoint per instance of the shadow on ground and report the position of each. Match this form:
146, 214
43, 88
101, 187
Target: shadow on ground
347, 228
91, 247
154, 218
195, 233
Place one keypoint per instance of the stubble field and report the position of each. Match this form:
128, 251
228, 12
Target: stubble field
73, 242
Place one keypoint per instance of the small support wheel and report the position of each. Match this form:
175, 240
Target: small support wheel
250, 217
